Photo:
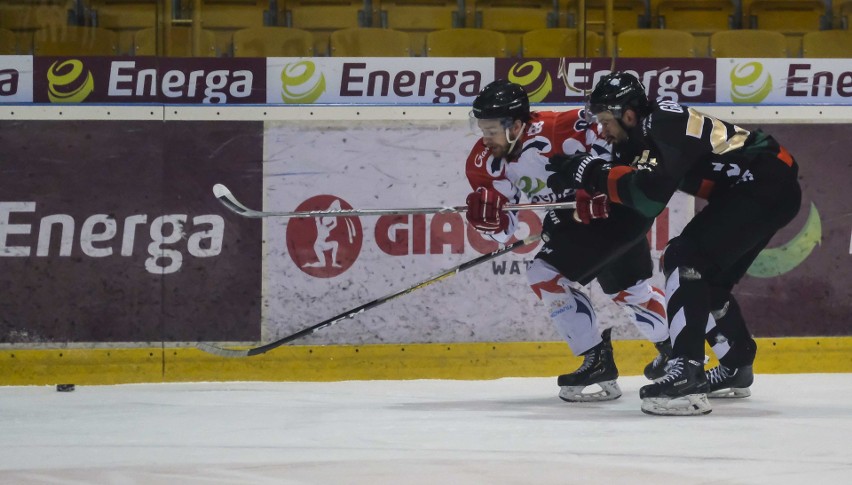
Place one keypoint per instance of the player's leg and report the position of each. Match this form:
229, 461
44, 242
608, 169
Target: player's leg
574, 318
627, 281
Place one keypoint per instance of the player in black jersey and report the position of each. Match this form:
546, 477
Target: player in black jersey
751, 186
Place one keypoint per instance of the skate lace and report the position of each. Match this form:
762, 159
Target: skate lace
674, 370
718, 374
588, 362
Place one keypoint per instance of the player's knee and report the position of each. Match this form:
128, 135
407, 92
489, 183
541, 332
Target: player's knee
544, 279
682, 256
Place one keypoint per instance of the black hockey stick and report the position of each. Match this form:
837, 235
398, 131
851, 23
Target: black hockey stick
224, 352
228, 200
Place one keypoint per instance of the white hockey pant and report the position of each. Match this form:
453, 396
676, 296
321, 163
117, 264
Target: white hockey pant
570, 309
646, 306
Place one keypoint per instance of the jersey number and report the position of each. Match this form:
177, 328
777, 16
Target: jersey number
719, 139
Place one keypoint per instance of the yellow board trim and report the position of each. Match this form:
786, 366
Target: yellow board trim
376, 362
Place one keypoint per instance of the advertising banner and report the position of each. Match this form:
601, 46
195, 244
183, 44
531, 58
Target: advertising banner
784, 81
149, 80
318, 268
109, 232
16, 79
568, 80
801, 285
376, 80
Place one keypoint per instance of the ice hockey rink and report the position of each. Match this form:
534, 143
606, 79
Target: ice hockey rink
793, 429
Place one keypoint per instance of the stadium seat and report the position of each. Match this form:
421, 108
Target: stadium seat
224, 17
8, 44
827, 44
370, 42
748, 43
179, 43
512, 17
25, 18
125, 18
655, 43
626, 15
698, 17
465, 42
793, 18
273, 42
417, 18
72, 40
843, 12
560, 42
322, 17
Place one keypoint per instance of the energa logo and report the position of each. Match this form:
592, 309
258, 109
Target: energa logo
69, 82
750, 83
532, 76
301, 83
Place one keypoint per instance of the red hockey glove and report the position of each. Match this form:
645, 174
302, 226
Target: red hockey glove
591, 207
484, 211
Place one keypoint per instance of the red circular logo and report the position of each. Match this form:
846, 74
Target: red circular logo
325, 246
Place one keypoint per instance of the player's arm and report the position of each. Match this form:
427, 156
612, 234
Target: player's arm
491, 191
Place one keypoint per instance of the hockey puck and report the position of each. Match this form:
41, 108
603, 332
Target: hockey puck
65, 387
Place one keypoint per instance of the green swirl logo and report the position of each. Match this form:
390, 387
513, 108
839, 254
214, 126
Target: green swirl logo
68, 83
749, 83
777, 261
301, 83
532, 76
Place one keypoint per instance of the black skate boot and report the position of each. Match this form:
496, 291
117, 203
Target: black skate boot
657, 368
681, 392
730, 381
598, 368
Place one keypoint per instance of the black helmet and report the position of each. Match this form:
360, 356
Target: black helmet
617, 91
502, 99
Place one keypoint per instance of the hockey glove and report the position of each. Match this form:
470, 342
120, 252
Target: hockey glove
484, 211
576, 171
591, 207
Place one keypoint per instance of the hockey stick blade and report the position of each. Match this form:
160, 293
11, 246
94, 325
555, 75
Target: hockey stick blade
225, 352
228, 200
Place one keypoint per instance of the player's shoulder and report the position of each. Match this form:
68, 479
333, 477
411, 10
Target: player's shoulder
666, 118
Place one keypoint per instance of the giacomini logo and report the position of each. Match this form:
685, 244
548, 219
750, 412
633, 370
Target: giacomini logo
532, 76
301, 83
69, 82
749, 83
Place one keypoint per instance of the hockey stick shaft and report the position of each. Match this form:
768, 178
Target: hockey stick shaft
228, 200
225, 352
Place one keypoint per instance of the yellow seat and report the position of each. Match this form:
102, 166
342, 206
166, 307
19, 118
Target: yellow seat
24, 19
273, 42
655, 43
559, 42
790, 17
626, 15
417, 18
701, 18
827, 44
223, 18
843, 12
748, 43
465, 42
125, 18
511, 17
178, 44
8, 44
71, 40
322, 17
369, 42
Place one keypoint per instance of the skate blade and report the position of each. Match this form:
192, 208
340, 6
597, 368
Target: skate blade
690, 405
730, 393
609, 390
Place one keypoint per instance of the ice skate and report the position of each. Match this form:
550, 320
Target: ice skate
728, 382
598, 370
656, 369
681, 392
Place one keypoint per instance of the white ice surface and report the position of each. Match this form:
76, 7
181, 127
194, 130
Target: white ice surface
795, 429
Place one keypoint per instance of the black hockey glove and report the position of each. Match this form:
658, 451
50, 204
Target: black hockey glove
577, 171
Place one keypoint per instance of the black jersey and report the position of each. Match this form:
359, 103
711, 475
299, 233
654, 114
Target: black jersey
679, 148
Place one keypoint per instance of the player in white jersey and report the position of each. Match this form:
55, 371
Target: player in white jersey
594, 241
